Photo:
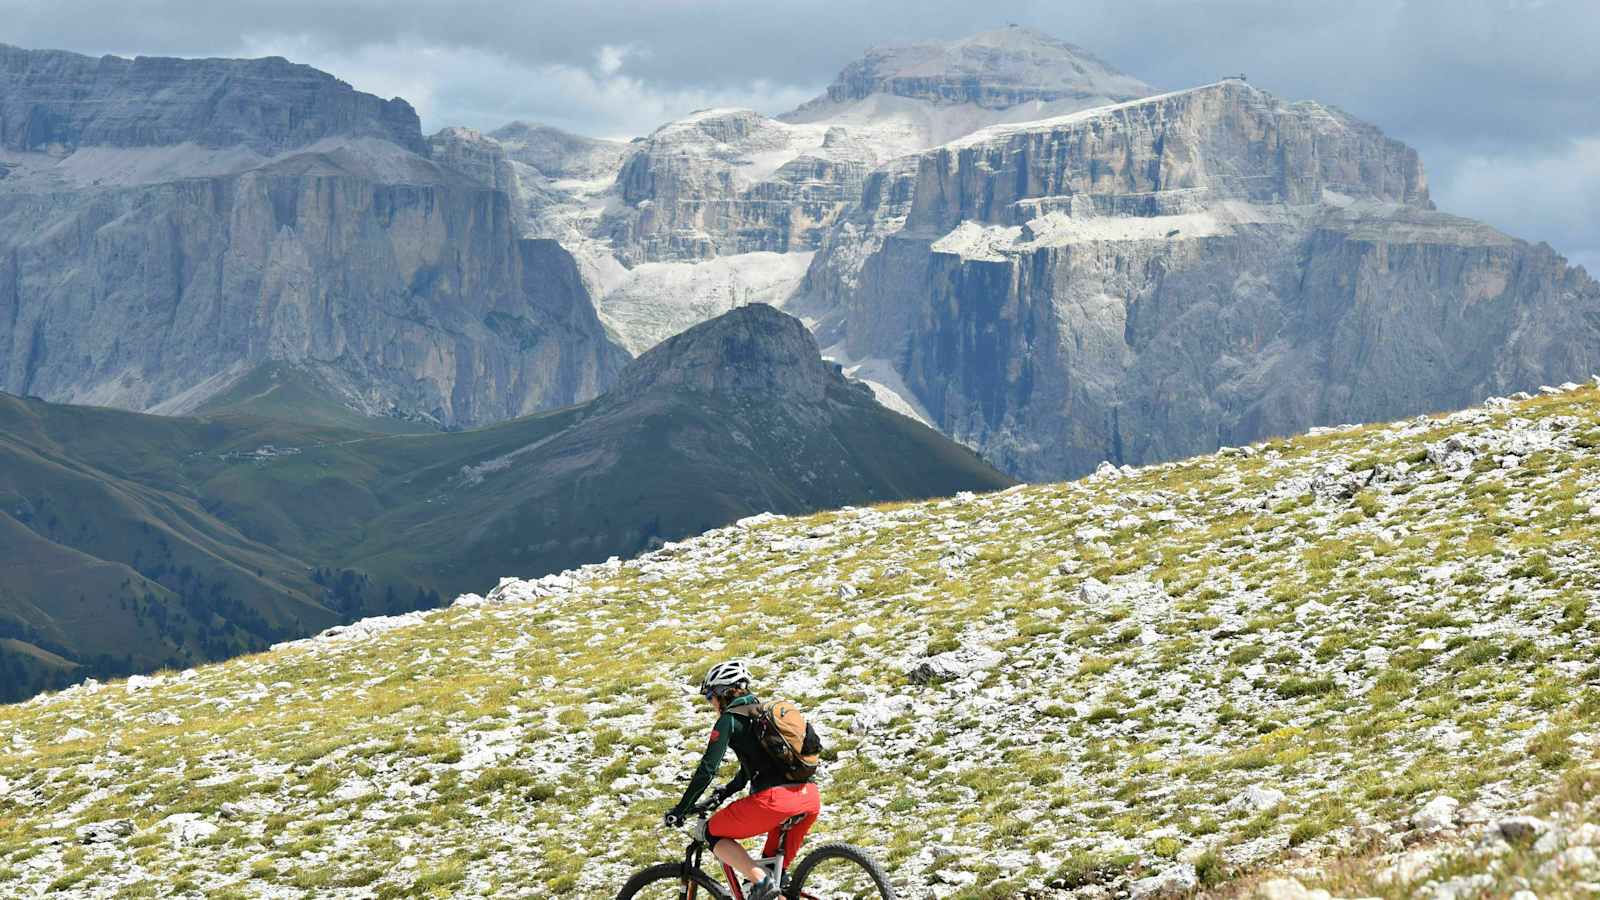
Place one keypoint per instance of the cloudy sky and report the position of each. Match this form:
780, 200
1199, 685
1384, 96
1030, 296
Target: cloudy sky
1499, 96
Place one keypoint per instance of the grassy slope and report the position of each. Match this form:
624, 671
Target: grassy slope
113, 559
282, 391
111, 509
1429, 633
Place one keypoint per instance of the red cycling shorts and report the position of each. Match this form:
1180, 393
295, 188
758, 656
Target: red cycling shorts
763, 812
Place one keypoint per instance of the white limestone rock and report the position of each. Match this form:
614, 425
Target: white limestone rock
1288, 889
1437, 814
1518, 829
187, 828
104, 832
1176, 881
1258, 798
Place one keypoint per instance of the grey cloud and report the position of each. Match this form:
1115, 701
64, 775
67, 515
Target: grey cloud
1498, 71
1510, 82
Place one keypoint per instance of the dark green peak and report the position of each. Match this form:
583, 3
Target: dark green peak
751, 351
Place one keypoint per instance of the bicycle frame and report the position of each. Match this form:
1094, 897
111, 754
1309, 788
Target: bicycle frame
692, 856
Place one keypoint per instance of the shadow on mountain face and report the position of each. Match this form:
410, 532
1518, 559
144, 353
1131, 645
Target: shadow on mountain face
134, 542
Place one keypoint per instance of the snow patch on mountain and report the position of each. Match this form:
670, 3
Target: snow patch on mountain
732, 183
654, 301
880, 375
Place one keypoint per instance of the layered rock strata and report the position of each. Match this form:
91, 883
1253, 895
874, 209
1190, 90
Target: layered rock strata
1154, 279
159, 241
55, 100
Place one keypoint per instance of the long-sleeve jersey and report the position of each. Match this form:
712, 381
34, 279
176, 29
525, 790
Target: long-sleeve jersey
756, 768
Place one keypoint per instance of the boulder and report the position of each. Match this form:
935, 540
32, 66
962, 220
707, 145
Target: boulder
1288, 889
1437, 814
1550, 841
1461, 888
1093, 593
878, 713
137, 683
1173, 882
1585, 835
954, 664
1519, 829
1572, 861
249, 807
187, 828
104, 832
1454, 454
1258, 798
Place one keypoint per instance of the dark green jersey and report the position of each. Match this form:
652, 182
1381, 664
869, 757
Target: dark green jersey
756, 768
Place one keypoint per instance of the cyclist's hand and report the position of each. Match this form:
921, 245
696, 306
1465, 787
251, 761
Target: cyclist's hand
672, 819
718, 797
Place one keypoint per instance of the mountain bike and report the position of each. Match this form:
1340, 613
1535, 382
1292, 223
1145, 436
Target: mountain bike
833, 871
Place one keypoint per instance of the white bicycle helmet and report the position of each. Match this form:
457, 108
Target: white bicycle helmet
725, 676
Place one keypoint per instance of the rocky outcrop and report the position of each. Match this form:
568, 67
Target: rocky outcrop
419, 297
149, 275
482, 159
55, 101
909, 97
1156, 279
561, 156
552, 177
993, 69
753, 351
734, 185
559, 184
724, 182
1178, 153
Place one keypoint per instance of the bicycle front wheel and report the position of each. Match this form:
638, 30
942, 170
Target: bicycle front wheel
672, 881
840, 872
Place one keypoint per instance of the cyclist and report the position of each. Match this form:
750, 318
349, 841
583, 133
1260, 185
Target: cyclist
773, 798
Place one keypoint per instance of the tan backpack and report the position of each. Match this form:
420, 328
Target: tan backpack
790, 741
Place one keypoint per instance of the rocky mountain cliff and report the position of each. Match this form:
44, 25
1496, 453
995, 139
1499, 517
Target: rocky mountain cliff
1004, 236
1154, 279
1364, 656
725, 206
169, 225
1015, 243
134, 542
724, 182
54, 101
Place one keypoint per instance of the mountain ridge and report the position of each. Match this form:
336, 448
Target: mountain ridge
1157, 278
843, 220
195, 538
1001, 67
268, 104
722, 207
193, 219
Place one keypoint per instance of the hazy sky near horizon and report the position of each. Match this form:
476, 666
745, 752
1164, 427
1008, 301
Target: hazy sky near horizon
1499, 96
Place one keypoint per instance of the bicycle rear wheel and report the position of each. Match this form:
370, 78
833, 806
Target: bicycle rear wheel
672, 881
840, 872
